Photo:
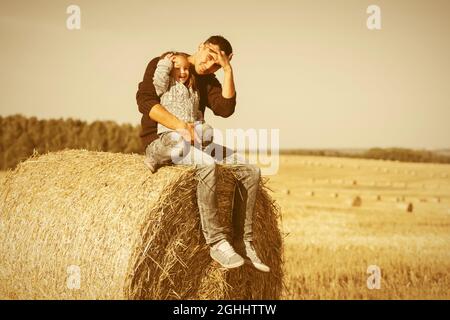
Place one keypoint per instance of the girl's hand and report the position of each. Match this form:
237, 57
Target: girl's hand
170, 56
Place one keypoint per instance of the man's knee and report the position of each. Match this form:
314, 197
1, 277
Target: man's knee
250, 170
255, 172
206, 171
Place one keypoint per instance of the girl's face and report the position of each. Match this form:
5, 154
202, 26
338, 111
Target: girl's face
180, 70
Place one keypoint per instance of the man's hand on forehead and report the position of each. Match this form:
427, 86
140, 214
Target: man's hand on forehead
219, 56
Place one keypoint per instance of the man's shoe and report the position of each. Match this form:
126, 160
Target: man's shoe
252, 258
224, 254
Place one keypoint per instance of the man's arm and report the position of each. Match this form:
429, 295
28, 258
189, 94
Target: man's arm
228, 89
222, 99
160, 114
217, 102
166, 118
146, 95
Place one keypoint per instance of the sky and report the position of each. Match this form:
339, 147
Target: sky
311, 69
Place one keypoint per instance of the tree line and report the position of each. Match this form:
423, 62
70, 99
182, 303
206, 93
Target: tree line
393, 154
20, 136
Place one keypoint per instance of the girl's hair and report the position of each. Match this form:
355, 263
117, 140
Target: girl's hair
192, 82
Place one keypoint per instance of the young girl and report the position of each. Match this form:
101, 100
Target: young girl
175, 85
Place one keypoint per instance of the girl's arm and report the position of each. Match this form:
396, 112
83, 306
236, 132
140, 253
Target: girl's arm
161, 78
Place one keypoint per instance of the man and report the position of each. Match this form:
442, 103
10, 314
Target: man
213, 54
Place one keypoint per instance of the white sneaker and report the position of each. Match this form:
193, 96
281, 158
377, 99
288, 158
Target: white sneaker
224, 254
253, 259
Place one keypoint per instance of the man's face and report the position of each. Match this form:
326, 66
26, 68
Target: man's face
205, 62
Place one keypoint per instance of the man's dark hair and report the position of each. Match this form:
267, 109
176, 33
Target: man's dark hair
223, 44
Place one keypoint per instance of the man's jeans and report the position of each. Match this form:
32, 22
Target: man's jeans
206, 174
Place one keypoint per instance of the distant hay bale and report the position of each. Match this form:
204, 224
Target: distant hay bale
407, 206
354, 182
334, 195
287, 191
399, 185
104, 219
310, 193
355, 201
378, 197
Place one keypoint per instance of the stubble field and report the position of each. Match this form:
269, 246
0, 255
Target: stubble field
330, 244
331, 237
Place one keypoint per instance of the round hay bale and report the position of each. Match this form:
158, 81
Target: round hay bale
334, 195
286, 191
355, 201
407, 206
310, 193
97, 225
378, 197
